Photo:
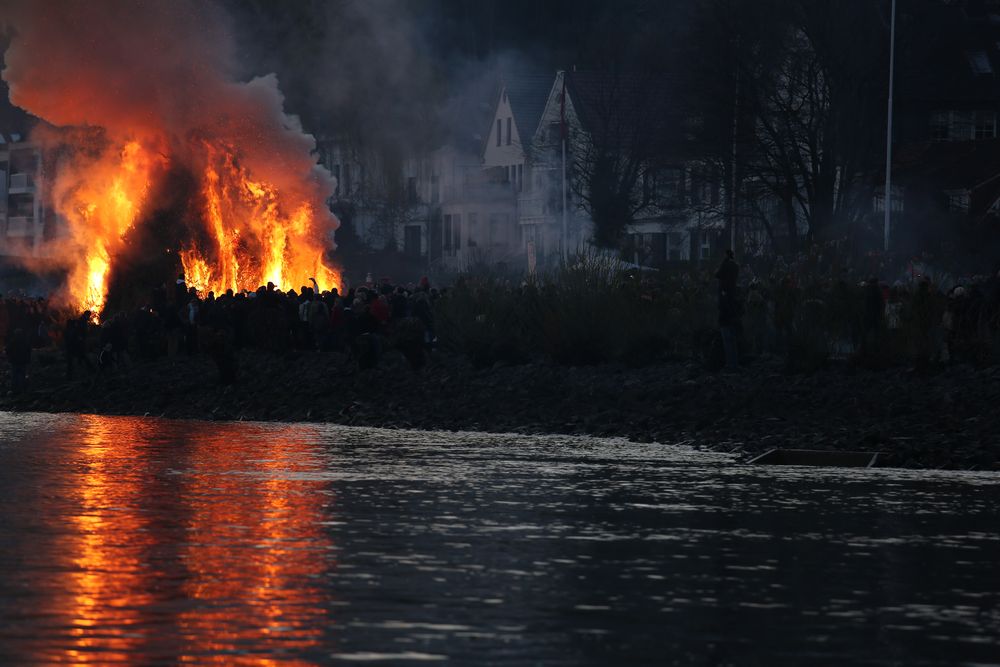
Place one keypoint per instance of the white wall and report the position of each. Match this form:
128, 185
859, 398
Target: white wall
511, 148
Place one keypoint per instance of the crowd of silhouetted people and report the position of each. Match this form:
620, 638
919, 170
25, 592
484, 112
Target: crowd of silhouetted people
879, 323
913, 321
178, 322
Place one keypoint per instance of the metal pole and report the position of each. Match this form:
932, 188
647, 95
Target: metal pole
887, 199
565, 225
733, 157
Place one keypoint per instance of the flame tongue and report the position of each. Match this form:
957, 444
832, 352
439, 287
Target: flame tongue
248, 236
100, 204
253, 240
128, 117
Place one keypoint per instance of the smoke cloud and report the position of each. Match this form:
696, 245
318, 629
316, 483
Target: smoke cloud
135, 91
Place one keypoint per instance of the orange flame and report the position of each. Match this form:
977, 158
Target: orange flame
254, 240
121, 120
253, 234
100, 206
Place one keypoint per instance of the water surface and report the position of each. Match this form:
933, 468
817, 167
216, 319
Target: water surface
144, 541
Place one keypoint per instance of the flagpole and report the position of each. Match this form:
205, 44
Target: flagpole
565, 225
564, 132
887, 198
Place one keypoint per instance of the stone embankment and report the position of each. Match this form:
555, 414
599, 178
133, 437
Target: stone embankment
948, 418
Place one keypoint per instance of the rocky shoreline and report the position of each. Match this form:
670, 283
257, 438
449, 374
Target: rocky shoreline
943, 419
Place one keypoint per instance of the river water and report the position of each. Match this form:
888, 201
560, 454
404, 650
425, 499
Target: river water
144, 541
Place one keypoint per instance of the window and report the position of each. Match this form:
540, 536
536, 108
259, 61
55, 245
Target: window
457, 230
649, 185
411, 189
897, 200
701, 186
508, 130
650, 248
446, 234
963, 125
471, 232
499, 130
674, 241
494, 228
979, 62
411, 240
986, 124
958, 201
672, 186
705, 246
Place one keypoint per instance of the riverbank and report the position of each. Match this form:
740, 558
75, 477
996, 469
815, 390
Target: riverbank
944, 419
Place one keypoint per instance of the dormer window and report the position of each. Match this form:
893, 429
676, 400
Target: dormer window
499, 130
958, 200
986, 124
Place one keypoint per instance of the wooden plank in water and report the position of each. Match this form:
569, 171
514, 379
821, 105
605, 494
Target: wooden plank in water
816, 457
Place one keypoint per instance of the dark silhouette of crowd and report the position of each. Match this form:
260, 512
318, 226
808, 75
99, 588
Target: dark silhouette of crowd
913, 321
177, 322
808, 318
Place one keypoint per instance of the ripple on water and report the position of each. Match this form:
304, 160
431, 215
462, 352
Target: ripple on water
155, 541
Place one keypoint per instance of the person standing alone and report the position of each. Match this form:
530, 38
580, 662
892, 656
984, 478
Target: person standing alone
730, 309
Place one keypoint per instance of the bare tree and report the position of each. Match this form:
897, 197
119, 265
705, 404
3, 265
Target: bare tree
794, 96
621, 134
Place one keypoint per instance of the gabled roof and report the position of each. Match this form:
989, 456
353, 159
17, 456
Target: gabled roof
527, 95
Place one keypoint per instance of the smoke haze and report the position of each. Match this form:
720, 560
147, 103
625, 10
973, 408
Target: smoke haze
135, 90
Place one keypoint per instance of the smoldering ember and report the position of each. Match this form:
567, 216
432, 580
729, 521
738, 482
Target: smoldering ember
574, 332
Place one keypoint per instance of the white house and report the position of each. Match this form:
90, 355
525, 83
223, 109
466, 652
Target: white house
680, 219
455, 207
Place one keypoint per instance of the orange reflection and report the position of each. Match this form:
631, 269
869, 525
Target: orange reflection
206, 545
109, 583
254, 538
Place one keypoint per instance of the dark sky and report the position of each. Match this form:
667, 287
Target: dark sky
389, 65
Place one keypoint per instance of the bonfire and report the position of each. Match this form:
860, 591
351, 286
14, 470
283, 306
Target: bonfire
158, 156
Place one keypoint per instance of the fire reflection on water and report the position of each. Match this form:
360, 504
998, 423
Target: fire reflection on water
108, 584
265, 553
234, 570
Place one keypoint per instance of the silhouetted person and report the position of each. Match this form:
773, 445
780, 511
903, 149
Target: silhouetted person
180, 292
75, 338
728, 273
19, 355
730, 309
873, 319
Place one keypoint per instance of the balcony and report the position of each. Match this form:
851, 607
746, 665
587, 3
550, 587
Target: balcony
21, 184
20, 227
